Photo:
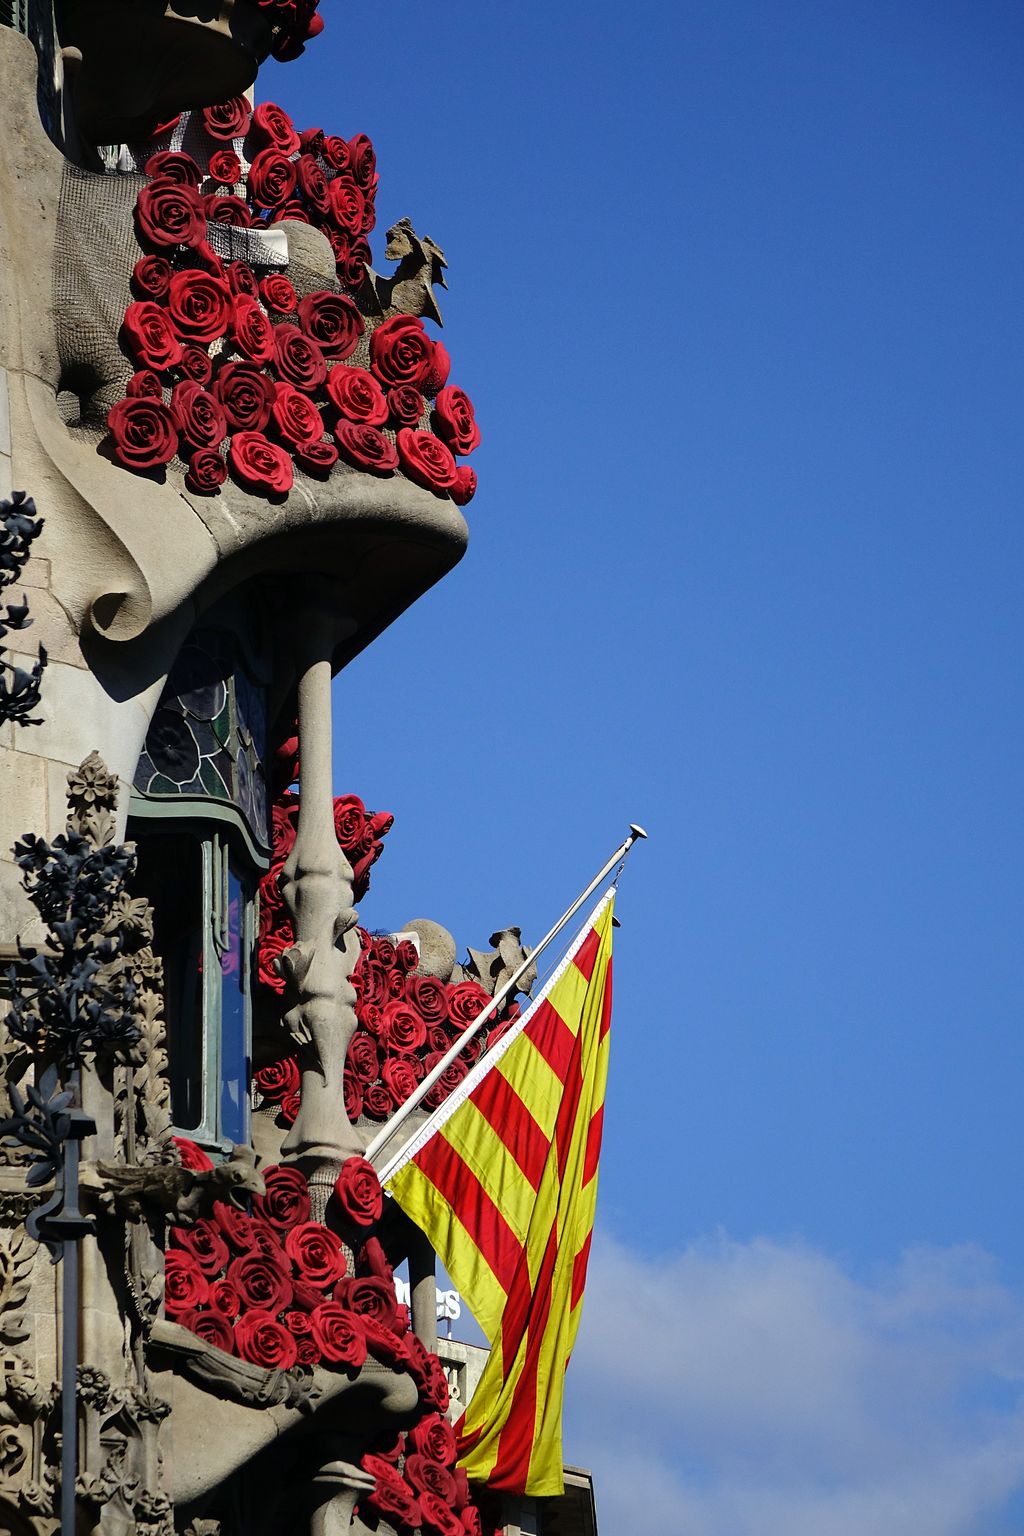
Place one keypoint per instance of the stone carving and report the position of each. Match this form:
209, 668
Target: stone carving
409, 290
492, 968
171, 1192
21, 693
17, 1256
227, 1376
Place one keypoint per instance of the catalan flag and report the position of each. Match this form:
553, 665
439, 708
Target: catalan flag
503, 1180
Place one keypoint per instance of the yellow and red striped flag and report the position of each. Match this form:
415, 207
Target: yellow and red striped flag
503, 1180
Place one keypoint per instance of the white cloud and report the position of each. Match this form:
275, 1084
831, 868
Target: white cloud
759, 1389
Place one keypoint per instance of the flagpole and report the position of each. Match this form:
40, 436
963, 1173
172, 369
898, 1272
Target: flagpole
398, 1119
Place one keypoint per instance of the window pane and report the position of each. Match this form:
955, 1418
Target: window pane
234, 1048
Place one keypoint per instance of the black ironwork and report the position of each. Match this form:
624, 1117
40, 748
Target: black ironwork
20, 687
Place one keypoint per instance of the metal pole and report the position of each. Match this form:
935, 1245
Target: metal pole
68, 1374
398, 1119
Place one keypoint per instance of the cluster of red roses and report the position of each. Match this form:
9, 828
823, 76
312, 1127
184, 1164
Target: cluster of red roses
417, 1483
295, 23
406, 1024
277, 389
273, 1287
359, 833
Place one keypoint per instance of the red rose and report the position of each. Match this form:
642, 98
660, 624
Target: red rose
271, 179
399, 1078
465, 1003
454, 420
386, 1344
340, 1335
235, 1226
144, 385
198, 415
225, 1299
429, 997
191, 1156
425, 459
407, 956
296, 417
316, 458
149, 334
204, 1242
435, 1391
401, 352
462, 1487
274, 129
225, 208
333, 321
174, 166
357, 395
312, 141
151, 278
196, 365
260, 1282
435, 1514
261, 1339
278, 294
373, 985
290, 1106
472, 1525
299, 358
396, 983
352, 260
242, 280
381, 1467
335, 152
377, 1104
370, 1297
313, 184
433, 1436
366, 447
358, 1192
185, 1285
402, 1028
246, 394
406, 405
464, 489
292, 209
253, 332
206, 472
277, 1079
225, 167
316, 1253
286, 1202
348, 205
170, 215
362, 160
395, 1503
349, 820
353, 1095
427, 1475
449, 1080
361, 1057
262, 466
228, 121
211, 1327
143, 433
299, 1323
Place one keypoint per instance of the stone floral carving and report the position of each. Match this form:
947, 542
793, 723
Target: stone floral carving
17, 1256
19, 688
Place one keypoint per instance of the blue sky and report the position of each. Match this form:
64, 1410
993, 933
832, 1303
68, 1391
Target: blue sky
737, 291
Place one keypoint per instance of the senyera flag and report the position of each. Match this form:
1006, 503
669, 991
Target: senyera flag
503, 1180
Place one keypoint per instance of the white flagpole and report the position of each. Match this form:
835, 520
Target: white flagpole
398, 1119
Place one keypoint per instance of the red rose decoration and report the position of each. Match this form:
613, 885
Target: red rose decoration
464, 488
151, 278
335, 152
428, 1476
235, 1226
312, 141
433, 1436
425, 459
174, 166
286, 1202
143, 433
206, 472
435, 1391
377, 1103
465, 1003
273, 128
402, 1028
340, 1335
260, 1339
296, 417
149, 334
144, 385
206, 1245
228, 121
316, 458
191, 1156
386, 1344
225, 1299
225, 167
279, 1078
225, 208
455, 421
348, 205
278, 294
333, 322
271, 179
352, 258
407, 956
358, 1192
253, 332
313, 184
357, 395
196, 365
246, 394
198, 415
349, 818
361, 1057
370, 1297
436, 1515
293, 209
316, 1253
449, 1080
353, 1097
399, 1078
366, 448
299, 1323
373, 985
401, 352
299, 358
169, 215
362, 160
260, 1282
211, 1327
260, 465
395, 1503
185, 1285
406, 405
429, 997
242, 280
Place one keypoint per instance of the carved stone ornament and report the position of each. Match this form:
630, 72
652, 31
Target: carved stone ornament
228, 1376
179, 1195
